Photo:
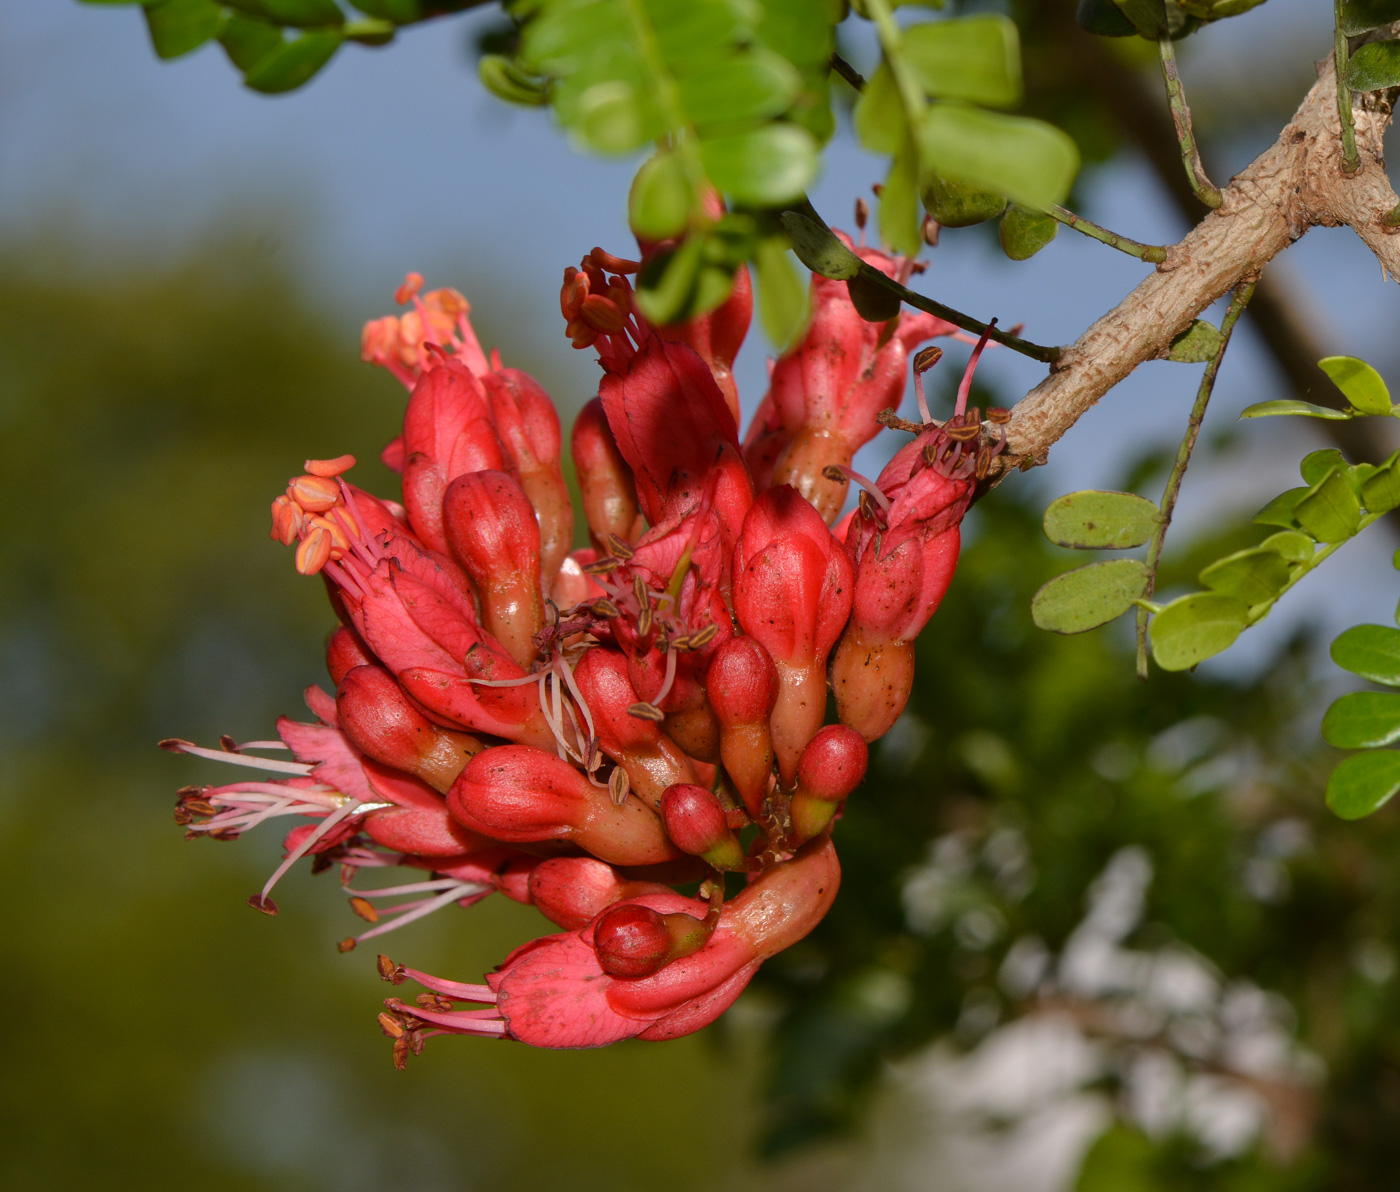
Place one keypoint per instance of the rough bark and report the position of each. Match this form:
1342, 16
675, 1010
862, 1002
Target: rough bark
1296, 184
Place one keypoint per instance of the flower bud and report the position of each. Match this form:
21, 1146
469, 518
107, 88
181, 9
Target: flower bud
606, 482
377, 716
520, 795
742, 685
573, 891
491, 528
832, 766
650, 758
696, 824
792, 594
421, 832
344, 652
634, 941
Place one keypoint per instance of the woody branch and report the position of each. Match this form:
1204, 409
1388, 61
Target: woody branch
1296, 184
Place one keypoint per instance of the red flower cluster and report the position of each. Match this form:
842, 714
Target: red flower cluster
588, 731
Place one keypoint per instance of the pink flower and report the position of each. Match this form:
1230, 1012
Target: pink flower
553, 992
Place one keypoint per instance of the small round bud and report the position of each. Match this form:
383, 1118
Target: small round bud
742, 683
631, 941
696, 824
832, 766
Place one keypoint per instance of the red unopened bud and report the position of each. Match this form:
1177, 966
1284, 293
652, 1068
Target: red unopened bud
696, 824
380, 720
742, 685
832, 766
573, 891
635, 941
344, 652
608, 487
492, 531
518, 794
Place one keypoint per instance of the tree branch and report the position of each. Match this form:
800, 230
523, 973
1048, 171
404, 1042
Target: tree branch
1296, 184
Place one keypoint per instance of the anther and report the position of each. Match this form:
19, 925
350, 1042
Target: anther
314, 551
964, 432
618, 786
364, 909
389, 971
704, 637
862, 213
346, 945
601, 567
646, 711
926, 359
614, 264
930, 230
412, 283
603, 607
228, 744
644, 621
998, 415
391, 1025
315, 494
431, 1001
260, 903
619, 548
330, 467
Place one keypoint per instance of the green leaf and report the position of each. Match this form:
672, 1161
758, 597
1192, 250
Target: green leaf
818, 247
1196, 627
1088, 597
1360, 16
1363, 720
1374, 67
958, 205
1291, 545
1148, 17
874, 302
661, 198
303, 14
1104, 18
1197, 344
615, 116
1270, 409
1316, 464
750, 86
1330, 511
782, 295
879, 117
179, 26
1024, 232
1028, 161
973, 58
505, 80
1371, 651
1359, 382
1380, 492
294, 64
1097, 520
1279, 511
1255, 576
764, 167
248, 41
1363, 783
899, 203
668, 281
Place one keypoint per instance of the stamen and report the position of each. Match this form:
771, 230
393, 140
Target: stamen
330, 467
965, 386
619, 785
423, 909
176, 745
645, 711
619, 547
923, 361
841, 472
337, 816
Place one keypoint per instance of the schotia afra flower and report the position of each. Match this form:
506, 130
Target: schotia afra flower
589, 731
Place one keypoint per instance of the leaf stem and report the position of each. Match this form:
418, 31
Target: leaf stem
1351, 161
848, 72
1238, 301
1205, 190
1144, 252
966, 322
910, 93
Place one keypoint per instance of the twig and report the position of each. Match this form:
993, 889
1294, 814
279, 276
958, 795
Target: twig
1238, 302
1144, 252
1205, 190
1024, 346
1351, 160
848, 72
